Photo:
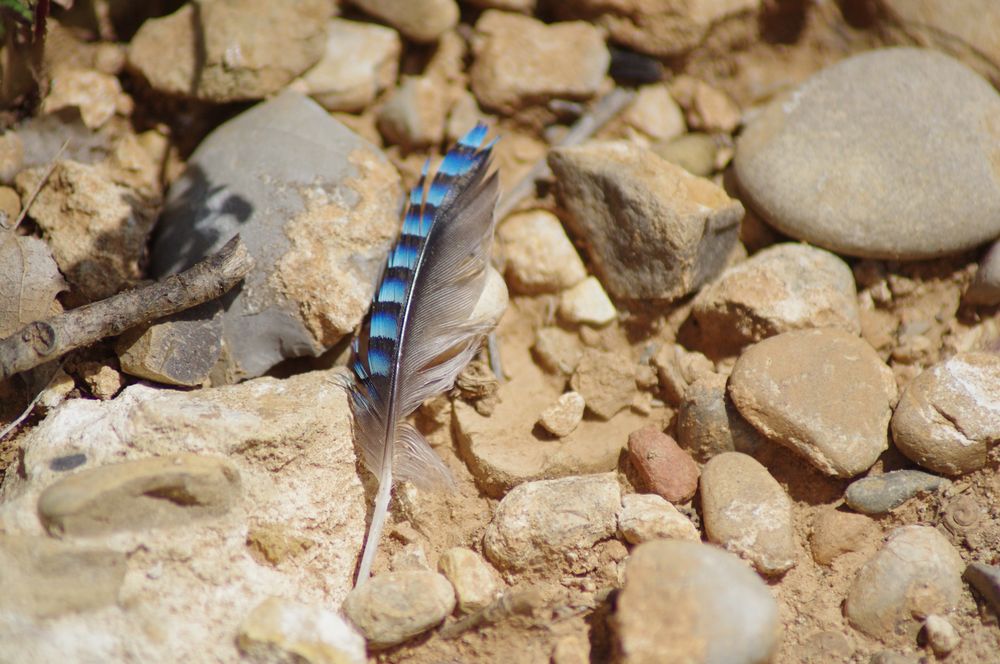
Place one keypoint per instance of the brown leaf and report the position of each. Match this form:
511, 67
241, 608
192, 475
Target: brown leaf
29, 281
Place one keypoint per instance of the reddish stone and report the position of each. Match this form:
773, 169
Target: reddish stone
662, 466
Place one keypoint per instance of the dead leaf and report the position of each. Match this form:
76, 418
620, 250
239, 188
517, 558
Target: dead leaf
29, 281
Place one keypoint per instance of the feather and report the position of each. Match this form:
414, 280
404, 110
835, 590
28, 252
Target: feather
418, 335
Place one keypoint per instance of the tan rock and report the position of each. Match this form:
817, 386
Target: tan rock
587, 303
648, 516
655, 113
707, 108
415, 113
557, 350
835, 533
104, 381
562, 417
475, 585
606, 383
538, 255
390, 608
282, 630
421, 21
97, 95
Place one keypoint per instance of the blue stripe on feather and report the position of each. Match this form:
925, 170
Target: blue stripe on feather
404, 255
393, 289
383, 325
378, 361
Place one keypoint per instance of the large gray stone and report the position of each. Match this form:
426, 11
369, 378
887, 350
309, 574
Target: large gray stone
888, 154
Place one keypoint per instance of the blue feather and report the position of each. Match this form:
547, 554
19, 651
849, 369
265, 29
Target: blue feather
419, 333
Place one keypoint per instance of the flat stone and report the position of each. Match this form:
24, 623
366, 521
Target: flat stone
280, 630
565, 415
693, 602
552, 520
422, 21
917, 572
538, 256
147, 493
844, 161
178, 350
746, 511
587, 303
230, 50
825, 394
706, 108
949, 416
653, 230
390, 608
647, 516
835, 533
882, 493
606, 384
557, 350
474, 582
985, 287
520, 61
662, 466
708, 422
786, 287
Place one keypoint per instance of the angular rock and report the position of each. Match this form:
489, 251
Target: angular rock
835, 533
475, 586
179, 350
655, 113
693, 602
653, 230
662, 466
11, 156
520, 61
279, 630
746, 511
421, 21
949, 416
539, 257
562, 417
102, 381
414, 115
29, 281
647, 516
985, 287
694, 152
916, 573
317, 207
882, 493
708, 422
552, 520
677, 368
882, 189
605, 382
361, 60
985, 579
230, 50
785, 287
825, 394
96, 95
557, 350
587, 303
707, 108
390, 608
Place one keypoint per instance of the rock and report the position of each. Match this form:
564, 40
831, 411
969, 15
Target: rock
557, 350
677, 368
655, 113
985, 579
662, 466
414, 115
985, 287
10, 205
709, 424
949, 415
230, 50
746, 511
695, 153
390, 608
653, 230
707, 108
539, 257
41, 578
825, 394
97, 96
565, 415
317, 207
835, 533
587, 303
944, 195
552, 520
102, 381
96, 228
279, 630
421, 21
520, 61
605, 382
472, 578
942, 637
647, 516
11, 156
179, 350
782, 288
361, 60
30, 281
693, 602
492, 302
882, 493
916, 573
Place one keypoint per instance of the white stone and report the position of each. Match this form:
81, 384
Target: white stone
647, 516
562, 417
539, 256
655, 113
279, 630
588, 303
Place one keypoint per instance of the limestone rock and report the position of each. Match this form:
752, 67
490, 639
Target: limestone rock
557, 350
96, 95
707, 108
694, 152
562, 417
677, 368
655, 113
835, 533
653, 230
475, 586
539, 257
279, 630
414, 115
390, 608
421, 21
605, 382
647, 516
587, 303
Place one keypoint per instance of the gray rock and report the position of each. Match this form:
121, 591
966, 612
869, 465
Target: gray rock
708, 422
949, 416
786, 287
178, 350
746, 511
883, 493
279, 630
552, 520
916, 573
985, 579
883, 155
317, 207
653, 230
418, 20
390, 608
825, 394
985, 287
693, 602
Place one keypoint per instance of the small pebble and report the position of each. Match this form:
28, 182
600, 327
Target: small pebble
606, 383
985, 287
707, 108
941, 635
96, 95
556, 350
835, 533
586, 302
390, 608
677, 368
985, 579
561, 418
414, 114
882, 493
655, 113
421, 21
539, 257
746, 511
662, 466
10, 206
475, 586
647, 516
11, 156
709, 424
279, 630
103, 381
695, 153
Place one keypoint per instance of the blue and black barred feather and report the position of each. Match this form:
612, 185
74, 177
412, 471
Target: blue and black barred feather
419, 333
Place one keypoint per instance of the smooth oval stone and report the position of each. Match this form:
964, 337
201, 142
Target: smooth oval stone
880, 494
894, 153
390, 608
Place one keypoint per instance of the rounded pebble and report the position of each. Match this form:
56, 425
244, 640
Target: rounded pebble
663, 467
474, 584
588, 303
709, 424
646, 516
538, 254
562, 417
746, 511
825, 394
835, 533
887, 154
882, 493
949, 415
693, 602
390, 608
942, 636
985, 287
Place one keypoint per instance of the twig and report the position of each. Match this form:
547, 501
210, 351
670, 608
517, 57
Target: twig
41, 183
42, 341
